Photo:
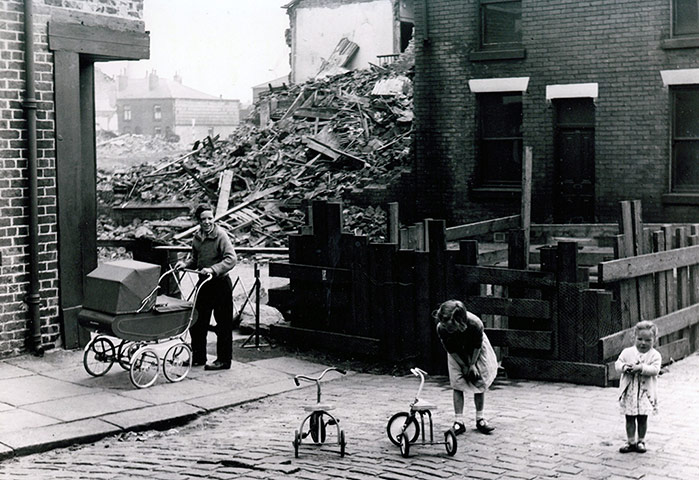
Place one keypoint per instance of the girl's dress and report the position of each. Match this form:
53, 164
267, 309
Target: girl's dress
638, 391
464, 344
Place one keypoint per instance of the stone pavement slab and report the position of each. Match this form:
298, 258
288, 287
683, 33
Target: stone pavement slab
31, 440
11, 371
19, 419
88, 406
37, 388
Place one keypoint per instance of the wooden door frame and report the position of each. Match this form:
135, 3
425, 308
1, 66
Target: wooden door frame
76, 47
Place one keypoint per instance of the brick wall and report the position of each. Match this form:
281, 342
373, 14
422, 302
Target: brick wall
14, 268
616, 44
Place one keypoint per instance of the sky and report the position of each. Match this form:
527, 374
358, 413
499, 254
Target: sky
219, 47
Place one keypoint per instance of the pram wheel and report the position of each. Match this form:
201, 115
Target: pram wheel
450, 442
125, 352
316, 427
177, 362
145, 366
395, 427
99, 356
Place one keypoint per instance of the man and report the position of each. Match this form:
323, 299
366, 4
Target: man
212, 254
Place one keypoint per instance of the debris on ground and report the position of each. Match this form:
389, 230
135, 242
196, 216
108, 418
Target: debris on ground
319, 140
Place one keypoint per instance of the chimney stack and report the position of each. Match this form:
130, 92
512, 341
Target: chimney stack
177, 78
152, 80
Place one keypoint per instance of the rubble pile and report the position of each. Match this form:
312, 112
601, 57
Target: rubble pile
318, 141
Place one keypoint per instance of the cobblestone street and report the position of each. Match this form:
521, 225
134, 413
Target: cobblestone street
544, 430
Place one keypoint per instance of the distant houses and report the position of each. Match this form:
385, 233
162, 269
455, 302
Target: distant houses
153, 105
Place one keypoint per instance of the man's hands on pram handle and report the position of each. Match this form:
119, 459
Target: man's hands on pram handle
181, 266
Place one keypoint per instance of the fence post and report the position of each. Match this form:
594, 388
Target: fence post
437, 246
393, 222
597, 322
569, 302
381, 296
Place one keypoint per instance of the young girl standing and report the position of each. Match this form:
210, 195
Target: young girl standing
471, 360
639, 366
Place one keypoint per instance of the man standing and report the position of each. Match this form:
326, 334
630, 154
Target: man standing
212, 253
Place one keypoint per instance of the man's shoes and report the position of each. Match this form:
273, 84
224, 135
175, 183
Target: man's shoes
198, 363
217, 366
483, 427
641, 446
628, 448
458, 428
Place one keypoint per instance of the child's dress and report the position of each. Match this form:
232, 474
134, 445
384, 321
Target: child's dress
638, 391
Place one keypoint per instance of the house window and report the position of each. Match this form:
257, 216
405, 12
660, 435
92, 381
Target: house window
127, 112
158, 131
157, 112
685, 139
500, 139
685, 17
501, 23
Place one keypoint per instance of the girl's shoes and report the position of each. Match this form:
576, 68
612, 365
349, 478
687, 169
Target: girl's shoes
629, 447
483, 427
641, 446
458, 428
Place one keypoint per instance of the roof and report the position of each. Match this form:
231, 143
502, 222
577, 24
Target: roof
138, 88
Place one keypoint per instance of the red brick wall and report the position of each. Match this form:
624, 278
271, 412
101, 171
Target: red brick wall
616, 44
14, 204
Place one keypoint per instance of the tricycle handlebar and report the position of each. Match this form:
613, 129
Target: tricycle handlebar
310, 379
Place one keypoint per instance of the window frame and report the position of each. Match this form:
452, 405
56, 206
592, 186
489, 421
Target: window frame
481, 163
673, 30
126, 113
157, 112
481, 27
675, 140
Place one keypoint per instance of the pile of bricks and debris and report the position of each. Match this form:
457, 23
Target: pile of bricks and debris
317, 141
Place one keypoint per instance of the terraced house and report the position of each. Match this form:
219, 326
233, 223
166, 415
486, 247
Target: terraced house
47, 158
605, 92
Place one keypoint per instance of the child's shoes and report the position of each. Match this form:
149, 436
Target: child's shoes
641, 446
628, 448
458, 428
483, 427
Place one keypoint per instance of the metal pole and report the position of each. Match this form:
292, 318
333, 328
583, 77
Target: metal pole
257, 305
29, 104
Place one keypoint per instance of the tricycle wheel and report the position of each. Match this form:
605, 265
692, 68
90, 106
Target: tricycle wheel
343, 443
124, 353
395, 426
98, 357
316, 427
404, 445
450, 442
296, 443
144, 367
177, 362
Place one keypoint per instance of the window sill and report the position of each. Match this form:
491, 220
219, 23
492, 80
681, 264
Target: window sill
680, 199
505, 54
496, 193
679, 42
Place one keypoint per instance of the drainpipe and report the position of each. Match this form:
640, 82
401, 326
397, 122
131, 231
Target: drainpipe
33, 298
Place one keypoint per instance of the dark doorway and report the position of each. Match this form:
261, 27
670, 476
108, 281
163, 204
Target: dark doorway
574, 150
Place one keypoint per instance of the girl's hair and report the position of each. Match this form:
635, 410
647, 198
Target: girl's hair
453, 316
646, 325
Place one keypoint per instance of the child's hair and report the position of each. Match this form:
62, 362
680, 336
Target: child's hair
202, 207
453, 316
646, 325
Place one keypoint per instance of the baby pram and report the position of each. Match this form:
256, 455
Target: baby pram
122, 307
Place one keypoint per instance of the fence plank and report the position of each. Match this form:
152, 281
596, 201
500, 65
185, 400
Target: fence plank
480, 228
632, 267
556, 370
512, 307
405, 326
425, 325
613, 344
529, 339
646, 283
660, 291
569, 302
382, 257
393, 222
669, 274
623, 289
506, 277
